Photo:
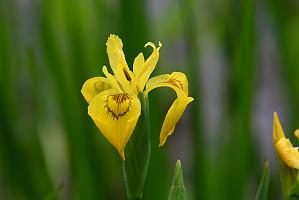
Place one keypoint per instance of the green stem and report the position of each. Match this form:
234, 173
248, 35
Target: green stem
137, 153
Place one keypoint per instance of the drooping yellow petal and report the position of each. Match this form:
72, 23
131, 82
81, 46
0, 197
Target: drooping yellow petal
174, 114
278, 132
115, 52
116, 115
287, 153
179, 83
93, 87
148, 66
177, 80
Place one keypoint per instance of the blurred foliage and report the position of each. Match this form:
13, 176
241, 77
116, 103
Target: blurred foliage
49, 48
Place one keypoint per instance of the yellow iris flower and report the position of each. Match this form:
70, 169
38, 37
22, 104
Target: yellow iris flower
283, 146
113, 102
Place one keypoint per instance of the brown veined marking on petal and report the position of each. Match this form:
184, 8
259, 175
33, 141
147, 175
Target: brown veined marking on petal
123, 103
100, 87
128, 77
176, 83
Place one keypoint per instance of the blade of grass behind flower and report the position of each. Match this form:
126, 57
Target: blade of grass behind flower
17, 153
65, 62
285, 20
199, 159
237, 155
262, 192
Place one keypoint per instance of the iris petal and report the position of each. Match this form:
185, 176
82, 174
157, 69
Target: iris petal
93, 87
137, 65
278, 132
178, 82
283, 146
148, 66
116, 115
288, 153
115, 52
119, 66
173, 115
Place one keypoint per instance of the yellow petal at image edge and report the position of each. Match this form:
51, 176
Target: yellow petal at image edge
116, 115
173, 115
288, 153
278, 132
93, 87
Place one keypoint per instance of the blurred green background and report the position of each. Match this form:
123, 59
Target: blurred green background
242, 62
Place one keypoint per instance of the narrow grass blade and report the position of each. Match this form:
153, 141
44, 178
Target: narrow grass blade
262, 192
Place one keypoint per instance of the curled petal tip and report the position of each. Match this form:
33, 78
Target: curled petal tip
150, 44
153, 45
160, 44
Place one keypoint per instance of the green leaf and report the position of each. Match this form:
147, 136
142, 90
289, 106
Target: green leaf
137, 153
262, 191
177, 191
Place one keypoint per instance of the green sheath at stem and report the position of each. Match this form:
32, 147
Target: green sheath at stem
137, 153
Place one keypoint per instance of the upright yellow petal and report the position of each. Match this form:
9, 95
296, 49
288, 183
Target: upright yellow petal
93, 87
178, 82
287, 153
126, 78
118, 63
116, 115
113, 82
278, 132
148, 66
115, 52
138, 63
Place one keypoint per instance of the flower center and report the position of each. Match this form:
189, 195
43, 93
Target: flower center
118, 105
